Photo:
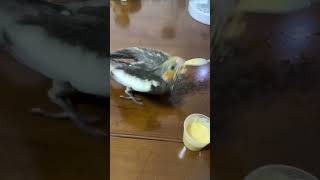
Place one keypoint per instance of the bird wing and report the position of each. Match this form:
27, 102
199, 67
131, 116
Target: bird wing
140, 57
86, 27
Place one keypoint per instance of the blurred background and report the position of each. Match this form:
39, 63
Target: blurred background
266, 87
40, 148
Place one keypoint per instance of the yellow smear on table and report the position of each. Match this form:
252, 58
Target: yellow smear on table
199, 132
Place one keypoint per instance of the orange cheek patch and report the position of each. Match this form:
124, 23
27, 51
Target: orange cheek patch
167, 76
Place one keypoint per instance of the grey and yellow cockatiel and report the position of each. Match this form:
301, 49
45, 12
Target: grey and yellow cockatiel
147, 70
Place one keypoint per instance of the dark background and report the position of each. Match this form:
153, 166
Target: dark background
266, 97
39, 148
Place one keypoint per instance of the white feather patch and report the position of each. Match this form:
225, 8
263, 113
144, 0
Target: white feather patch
135, 83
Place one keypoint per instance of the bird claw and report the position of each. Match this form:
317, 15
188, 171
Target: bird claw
131, 98
61, 115
138, 102
134, 99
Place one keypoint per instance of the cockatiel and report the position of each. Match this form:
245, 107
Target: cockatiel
66, 44
144, 70
147, 70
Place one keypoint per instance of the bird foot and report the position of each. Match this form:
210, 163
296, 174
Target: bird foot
134, 99
62, 115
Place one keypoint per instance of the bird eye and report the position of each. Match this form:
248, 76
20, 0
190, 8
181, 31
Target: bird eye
172, 67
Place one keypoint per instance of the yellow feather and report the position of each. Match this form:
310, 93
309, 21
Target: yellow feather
168, 75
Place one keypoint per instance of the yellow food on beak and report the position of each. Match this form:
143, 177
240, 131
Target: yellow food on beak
193, 62
196, 62
168, 75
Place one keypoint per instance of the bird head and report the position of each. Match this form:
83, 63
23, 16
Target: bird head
170, 67
172, 74
176, 66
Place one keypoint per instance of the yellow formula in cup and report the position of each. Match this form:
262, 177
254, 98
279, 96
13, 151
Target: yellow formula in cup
199, 132
196, 134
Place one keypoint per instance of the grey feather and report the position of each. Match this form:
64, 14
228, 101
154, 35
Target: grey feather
142, 57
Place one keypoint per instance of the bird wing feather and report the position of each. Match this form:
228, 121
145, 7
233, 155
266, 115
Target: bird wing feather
140, 57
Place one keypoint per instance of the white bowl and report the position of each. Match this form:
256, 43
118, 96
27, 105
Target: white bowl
198, 13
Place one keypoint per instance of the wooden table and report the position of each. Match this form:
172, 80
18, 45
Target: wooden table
146, 140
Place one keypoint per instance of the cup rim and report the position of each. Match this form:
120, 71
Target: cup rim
186, 133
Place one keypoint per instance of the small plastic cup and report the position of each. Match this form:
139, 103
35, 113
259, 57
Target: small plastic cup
189, 142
